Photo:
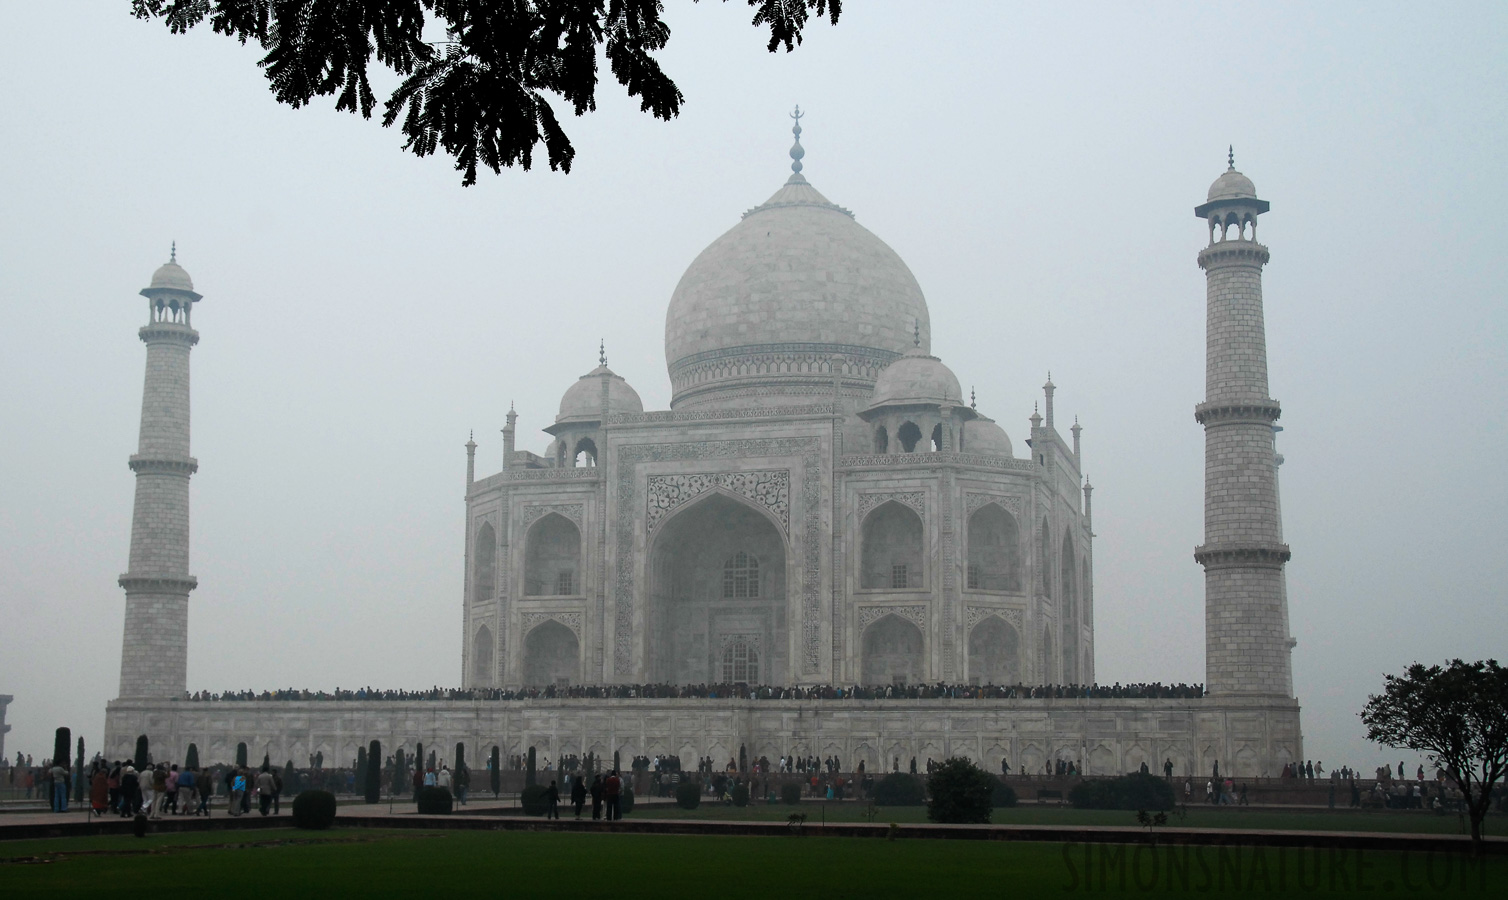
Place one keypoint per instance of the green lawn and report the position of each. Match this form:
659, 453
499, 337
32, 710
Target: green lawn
369, 863
1033, 814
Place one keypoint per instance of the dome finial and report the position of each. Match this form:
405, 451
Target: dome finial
1231, 158
796, 150
173, 257
602, 352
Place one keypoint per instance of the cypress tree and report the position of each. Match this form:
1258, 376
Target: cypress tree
460, 756
616, 766
372, 783
267, 761
78, 774
290, 778
62, 739
418, 755
191, 758
361, 769
529, 770
142, 752
398, 778
497, 775
241, 754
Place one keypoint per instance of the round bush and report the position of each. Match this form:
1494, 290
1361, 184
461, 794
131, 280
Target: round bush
1005, 795
688, 795
1134, 791
314, 809
435, 801
962, 793
790, 793
533, 800
899, 789
740, 794
626, 801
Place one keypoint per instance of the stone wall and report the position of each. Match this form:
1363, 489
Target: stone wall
1251, 738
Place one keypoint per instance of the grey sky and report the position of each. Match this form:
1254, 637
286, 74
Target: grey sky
1036, 166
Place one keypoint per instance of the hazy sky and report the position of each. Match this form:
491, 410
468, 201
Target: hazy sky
1036, 166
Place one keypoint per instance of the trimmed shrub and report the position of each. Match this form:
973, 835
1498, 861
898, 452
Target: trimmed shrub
1135, 791
372, 786
962, 793
790, 793
626, 801
899, 789
290, 778
60, 749
143, 752
460, 761
191, 758
1005, 795
740, 794
361, 768
78, 775
435, 801
533, 800
688, 794
314, 810
241, 754
529, 778
400, 771
496, 774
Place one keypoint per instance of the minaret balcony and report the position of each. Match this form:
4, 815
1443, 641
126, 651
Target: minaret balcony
1248, 412
164, 465
1233, 252
1242, 556
158, 584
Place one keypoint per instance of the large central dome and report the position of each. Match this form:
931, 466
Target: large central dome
759, 315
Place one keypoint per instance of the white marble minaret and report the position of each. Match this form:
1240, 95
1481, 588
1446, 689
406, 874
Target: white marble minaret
1247, 645
154, 655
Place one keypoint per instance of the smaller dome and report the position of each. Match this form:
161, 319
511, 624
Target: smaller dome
985, 436
171, 276
916, 379
1232, 185
583, 400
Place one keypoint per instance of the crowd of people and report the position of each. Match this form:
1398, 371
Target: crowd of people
739, 691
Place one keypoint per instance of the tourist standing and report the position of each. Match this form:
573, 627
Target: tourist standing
266, 787
597, 794
237, 790
552, 801
610, 790
578, 794
59, 798
462, 780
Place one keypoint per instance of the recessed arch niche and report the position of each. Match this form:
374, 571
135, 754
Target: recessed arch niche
717, 578
994, 550
552, 557
551, 654
893, 651
890, 553
995, 652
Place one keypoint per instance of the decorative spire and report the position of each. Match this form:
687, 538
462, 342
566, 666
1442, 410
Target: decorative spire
602, 352
972, 403
916, 332
173, 257
796, 150
1231, 158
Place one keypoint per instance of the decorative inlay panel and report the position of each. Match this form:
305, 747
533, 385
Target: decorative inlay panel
978, 614
571, 620
753, 640
572, 511
868, 615
1010, 503
770, 489
914, 499
932, 460
629, 456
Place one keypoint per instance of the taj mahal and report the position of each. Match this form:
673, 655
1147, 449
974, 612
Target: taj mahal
820, 507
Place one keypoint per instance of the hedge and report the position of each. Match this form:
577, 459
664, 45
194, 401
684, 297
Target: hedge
1135, 791
899, 789
434, 801
688, 795
314, 810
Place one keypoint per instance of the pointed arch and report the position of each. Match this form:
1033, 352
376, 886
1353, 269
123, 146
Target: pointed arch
551, 653
484, 564
893, 652
881, 440
481, 657
994, 550
1068, 581
585, 453
995, 652
909, 435
552, 557
891, 543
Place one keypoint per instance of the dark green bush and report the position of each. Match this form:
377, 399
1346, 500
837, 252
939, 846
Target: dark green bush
740, 794
688, 795
790, 793
533, 800
241, 754
962, 793
143, 752
1005, 795
496, 774
1134, 791
60, 749
899, 789
626, 800
314, 809
529, 770
434, 801
191, 759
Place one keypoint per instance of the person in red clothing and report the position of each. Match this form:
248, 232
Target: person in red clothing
611, 788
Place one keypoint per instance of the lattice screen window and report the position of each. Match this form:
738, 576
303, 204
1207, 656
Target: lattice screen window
740, 577
565, 583
898, 576
741, 663
973, 576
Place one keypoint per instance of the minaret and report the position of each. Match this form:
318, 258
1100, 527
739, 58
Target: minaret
1247, 646
470, 459
154, 655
